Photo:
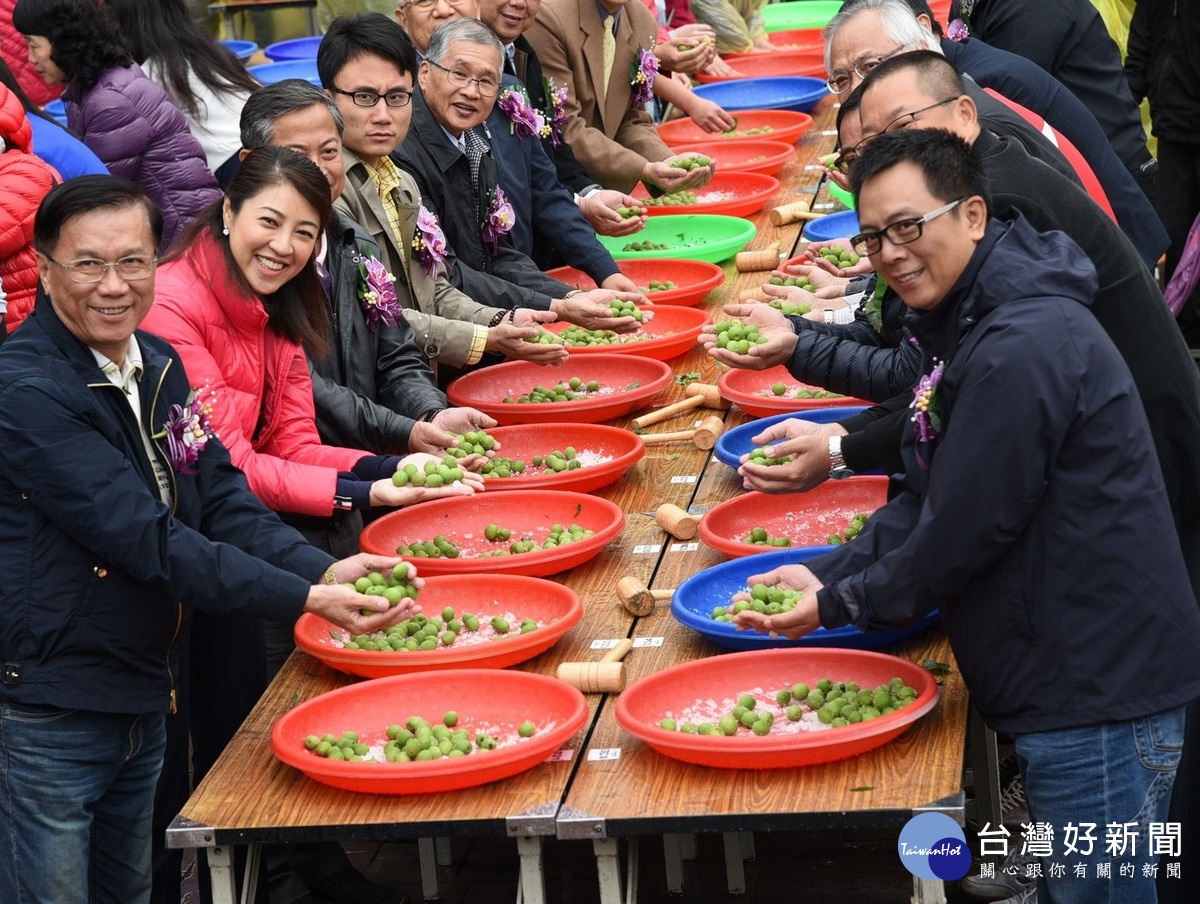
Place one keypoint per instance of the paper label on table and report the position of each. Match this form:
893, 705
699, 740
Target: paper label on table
684, 478
647, 642
605, 753
829, 132
684, 547
814, 166
647, 547
604, 643
562, 755
825, 205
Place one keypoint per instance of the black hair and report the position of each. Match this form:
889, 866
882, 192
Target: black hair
296, 310
85, 39
163, 31
850, 105
83, 194
936, 74
349, 37
951, 167
270, 102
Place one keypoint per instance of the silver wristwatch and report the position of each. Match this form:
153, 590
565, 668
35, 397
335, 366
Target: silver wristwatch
837, 464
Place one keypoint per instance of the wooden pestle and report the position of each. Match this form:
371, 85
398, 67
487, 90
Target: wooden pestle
763, 259
675, 521
790, 213
606, 676
699, 395
636, 598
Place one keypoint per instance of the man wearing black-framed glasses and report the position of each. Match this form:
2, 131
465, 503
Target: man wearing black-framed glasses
1007, 517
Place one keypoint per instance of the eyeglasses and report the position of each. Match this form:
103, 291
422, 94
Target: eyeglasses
840, 81
912, 117
903, 232
88, 270
425, 5
843, 160
362, 98
487, 86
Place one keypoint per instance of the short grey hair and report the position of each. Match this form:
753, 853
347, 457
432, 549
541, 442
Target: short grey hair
899, 23
270, 102
470, 30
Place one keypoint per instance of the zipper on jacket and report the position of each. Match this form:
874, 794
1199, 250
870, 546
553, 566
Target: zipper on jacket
158, 443
174, 693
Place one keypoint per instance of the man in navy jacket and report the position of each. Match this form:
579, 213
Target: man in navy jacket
1031, 512
122, 510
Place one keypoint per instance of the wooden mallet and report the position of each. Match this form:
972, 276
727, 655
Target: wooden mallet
764, 259
703, 436
699, 395
636, 598
605, 676
790, 213
675, 521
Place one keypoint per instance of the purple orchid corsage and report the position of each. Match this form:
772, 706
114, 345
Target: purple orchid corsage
957, 31
376, 290
429, 242
186, 433
555, 118
925, 407
524, 120
499, 220
643, 71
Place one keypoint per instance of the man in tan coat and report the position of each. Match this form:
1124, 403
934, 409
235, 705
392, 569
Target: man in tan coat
613, 138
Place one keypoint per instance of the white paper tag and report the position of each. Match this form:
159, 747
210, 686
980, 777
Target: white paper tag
604, 643
605, 753
647, 547
562, 755
684, 547
684, 478
647, 642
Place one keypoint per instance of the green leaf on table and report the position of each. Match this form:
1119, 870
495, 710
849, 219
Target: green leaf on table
690, 377
634, 385
864, 788
939, 669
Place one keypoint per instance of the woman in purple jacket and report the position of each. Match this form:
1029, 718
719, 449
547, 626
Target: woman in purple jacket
126, 119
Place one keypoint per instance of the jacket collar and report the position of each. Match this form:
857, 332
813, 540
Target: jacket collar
433, 137
243, 310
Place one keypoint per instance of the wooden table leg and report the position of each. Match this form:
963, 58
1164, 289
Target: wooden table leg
427, 856
220, 871
735, 871
608, 867
673, 863
532, 888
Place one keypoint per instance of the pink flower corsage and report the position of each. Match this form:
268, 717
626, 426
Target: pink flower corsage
499, 220
556, 110
429, 242
925, 407
957, 31
524, 120
643, 71
376, 291
186, 432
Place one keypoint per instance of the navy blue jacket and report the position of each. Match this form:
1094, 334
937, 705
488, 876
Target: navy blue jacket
1031, 86
1068, 39
97, 567
541, 202
1037, 523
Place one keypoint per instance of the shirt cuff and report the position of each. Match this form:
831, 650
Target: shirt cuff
478, 344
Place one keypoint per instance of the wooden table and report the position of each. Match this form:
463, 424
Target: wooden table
250, 798
230, 8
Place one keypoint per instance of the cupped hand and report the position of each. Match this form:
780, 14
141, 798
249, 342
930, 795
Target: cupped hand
808, 468
772, 326
803, 619
600, 210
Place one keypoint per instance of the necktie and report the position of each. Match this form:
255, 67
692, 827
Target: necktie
610, 49
476, 148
